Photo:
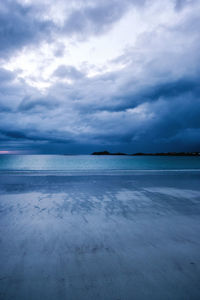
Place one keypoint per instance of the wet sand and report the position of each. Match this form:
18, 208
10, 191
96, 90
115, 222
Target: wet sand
112, 236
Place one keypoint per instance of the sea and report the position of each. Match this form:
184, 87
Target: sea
90, 163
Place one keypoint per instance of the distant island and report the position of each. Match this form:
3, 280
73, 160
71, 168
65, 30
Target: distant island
107, 153
150, 154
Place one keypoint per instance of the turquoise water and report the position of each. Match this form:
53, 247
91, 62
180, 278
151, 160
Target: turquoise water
88, 162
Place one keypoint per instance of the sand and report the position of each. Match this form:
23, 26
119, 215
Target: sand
109, 236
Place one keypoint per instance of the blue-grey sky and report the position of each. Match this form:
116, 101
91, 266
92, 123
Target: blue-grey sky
79, 76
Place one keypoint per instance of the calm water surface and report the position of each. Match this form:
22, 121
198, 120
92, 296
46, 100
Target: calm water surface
88, 162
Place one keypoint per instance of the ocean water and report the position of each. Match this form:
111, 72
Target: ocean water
89, 162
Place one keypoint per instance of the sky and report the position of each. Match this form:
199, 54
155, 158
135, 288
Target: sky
79, 76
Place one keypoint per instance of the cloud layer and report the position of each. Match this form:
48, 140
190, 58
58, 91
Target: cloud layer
95, 75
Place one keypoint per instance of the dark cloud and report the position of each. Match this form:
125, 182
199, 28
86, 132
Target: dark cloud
59, 50
68, 72
95, 19
6, 75
36, 105
157, 118
19, 26
172, 89
22, 25
180, 4
12, 91
27, 24
151, 104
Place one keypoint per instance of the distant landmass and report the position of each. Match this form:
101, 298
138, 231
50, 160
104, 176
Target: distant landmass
107, 153
151, 154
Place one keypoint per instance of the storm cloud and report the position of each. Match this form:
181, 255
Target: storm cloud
95, 75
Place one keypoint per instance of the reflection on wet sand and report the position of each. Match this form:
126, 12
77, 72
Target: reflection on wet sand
110, 237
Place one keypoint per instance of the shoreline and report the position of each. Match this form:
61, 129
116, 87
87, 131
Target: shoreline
94, 172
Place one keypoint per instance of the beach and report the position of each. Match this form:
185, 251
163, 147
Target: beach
104, 235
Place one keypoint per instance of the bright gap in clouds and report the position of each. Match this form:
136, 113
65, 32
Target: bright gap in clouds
95, 56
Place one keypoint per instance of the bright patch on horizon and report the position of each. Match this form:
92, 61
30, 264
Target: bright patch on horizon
6, 152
